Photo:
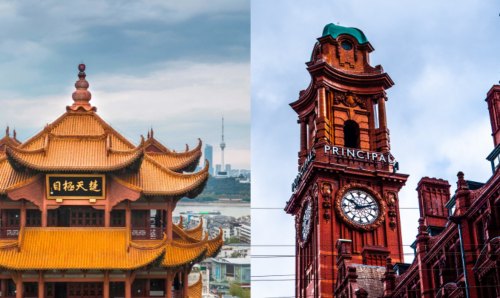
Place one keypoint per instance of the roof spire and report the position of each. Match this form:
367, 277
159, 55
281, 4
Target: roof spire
7, 131
81, 96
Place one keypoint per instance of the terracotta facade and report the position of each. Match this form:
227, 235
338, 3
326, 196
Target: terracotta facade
345, 197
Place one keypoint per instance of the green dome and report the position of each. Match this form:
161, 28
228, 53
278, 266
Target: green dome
335, 30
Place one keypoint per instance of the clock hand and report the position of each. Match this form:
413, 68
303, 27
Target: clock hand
363, 206
354, 202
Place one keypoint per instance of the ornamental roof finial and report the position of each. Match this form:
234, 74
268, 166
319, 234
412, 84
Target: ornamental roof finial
461, 183
82, 95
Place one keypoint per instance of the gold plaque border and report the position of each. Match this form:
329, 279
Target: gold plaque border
50, 197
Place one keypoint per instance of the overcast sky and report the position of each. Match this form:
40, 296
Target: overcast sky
176, 66
443, 57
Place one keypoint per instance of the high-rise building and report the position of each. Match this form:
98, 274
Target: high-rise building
209, 154
222, 147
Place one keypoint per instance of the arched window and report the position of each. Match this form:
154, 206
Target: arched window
351, 134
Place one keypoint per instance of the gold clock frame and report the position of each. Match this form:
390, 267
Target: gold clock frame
368, 227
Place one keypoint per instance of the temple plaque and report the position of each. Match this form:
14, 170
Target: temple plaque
75, 187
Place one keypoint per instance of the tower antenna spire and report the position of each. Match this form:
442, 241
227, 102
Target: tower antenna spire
222, 146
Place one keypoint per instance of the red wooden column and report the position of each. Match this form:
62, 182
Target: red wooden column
3, 287
128, 286
128, 217
44, 214
169, 222
105, 285
19, 286
22, 217
107, 216
168, 285
41, 285
185, 282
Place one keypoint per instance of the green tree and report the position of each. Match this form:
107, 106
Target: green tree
236, 290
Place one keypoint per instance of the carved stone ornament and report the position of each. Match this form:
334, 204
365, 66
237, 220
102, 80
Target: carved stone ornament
349, 100
326, 191
342, 195
391, 213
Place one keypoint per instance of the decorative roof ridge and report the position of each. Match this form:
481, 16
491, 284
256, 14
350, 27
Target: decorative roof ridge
218, 237
13, 154
151, 140
197, 228
215, 244
175, 153
169, 171
199, 243
200, 254
140, 147
8, 140
78, 136
160, 244
182, 233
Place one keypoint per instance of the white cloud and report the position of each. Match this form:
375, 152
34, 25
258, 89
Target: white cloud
182, 101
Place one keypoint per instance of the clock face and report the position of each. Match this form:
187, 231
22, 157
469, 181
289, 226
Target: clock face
360, 207
306, 221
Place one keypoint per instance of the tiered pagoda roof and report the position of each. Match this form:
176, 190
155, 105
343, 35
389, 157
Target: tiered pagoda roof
104, 248
67, 144
81, 142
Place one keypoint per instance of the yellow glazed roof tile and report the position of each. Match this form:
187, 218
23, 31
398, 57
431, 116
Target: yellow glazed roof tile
101, 248
154, 179
63, 248
195, 290
74, 154
10, 178
196, 232
178, 161
179, 254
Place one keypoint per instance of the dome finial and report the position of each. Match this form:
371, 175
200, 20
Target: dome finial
82, 95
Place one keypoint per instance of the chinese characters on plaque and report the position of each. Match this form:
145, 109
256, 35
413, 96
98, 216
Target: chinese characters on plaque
62, 186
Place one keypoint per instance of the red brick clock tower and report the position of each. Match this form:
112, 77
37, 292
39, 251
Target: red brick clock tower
345, 197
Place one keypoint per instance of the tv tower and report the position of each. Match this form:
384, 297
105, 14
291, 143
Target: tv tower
222, 146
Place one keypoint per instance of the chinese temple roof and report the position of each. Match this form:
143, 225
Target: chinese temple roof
63, 248
195, 290
178, 161
81, 141
7, 140
336, 30
155, 179
103, 248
